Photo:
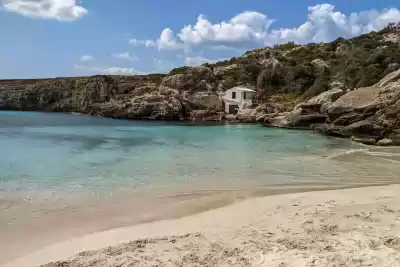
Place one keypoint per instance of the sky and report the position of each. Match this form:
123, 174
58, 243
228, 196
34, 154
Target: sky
54, 38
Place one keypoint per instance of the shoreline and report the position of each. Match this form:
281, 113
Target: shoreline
54, 222
280, 228
314, 128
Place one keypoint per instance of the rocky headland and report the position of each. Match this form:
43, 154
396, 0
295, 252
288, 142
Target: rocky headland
348, 88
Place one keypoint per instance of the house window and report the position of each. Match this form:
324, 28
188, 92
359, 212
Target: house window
244, 95
233, 95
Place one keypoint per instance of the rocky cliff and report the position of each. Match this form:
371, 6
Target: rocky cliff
370, 115
284, 76
113, 96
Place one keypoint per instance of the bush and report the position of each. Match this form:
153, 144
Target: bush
179, 70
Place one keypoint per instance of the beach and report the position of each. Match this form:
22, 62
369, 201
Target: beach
345, 227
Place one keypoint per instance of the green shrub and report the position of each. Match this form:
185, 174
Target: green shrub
179, 70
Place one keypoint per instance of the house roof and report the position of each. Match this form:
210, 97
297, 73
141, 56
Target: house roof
243, 89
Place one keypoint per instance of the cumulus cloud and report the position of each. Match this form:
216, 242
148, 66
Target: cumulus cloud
240, 30
253, 29
124, 56
325, 24
167, 41
146, 43
62, 10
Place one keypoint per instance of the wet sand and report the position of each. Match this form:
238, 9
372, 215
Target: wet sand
346, 227
28, 226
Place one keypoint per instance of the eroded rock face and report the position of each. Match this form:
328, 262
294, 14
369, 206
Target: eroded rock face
324, 100
282, 75
193, 80
372, 112
133, 97
369, 115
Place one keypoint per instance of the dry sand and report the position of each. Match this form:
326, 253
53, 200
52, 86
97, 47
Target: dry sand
348, 227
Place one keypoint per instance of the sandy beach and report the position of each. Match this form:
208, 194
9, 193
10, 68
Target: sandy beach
346, 227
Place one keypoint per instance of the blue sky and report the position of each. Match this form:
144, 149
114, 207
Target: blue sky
50, 38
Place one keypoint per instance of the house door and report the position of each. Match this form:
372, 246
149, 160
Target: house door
233, 109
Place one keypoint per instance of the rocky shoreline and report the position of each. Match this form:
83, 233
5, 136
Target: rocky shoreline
346, 88
370, 115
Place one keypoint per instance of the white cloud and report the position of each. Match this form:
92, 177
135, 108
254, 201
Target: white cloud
146, 43
109, 70
62, 10
167, 41
239, 31
198, 60
86, 59
124, 56
325, 24
253, 29
121, 71
87, 63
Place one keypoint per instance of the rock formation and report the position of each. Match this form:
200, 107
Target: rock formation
334, 82
370, 115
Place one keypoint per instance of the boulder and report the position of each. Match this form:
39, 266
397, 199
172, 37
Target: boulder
297, 119
326, 99
328, 129
279, 121
379, 103
230, 117
207, 100
320, 64
350, 101
363, 129
395, 137
385, 142
261, 117
365, 140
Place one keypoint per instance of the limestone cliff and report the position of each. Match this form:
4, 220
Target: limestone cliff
370, 115
283, 75
114, 96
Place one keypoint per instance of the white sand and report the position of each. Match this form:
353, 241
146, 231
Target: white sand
351, 227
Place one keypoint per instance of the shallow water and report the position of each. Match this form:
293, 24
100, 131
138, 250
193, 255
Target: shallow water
67, 175
62, 156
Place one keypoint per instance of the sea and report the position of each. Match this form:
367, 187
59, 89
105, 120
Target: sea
64, 175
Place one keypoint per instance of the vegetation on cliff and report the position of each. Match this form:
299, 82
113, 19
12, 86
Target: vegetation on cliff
282, 75
307, 70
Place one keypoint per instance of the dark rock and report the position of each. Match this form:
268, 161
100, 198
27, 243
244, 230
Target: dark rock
310, 107
328, 129
306, 120
395, 137
365, 141
363, 129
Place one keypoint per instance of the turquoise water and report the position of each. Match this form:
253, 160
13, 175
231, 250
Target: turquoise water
46, 155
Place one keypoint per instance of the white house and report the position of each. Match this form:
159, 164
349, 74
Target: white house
236, 97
